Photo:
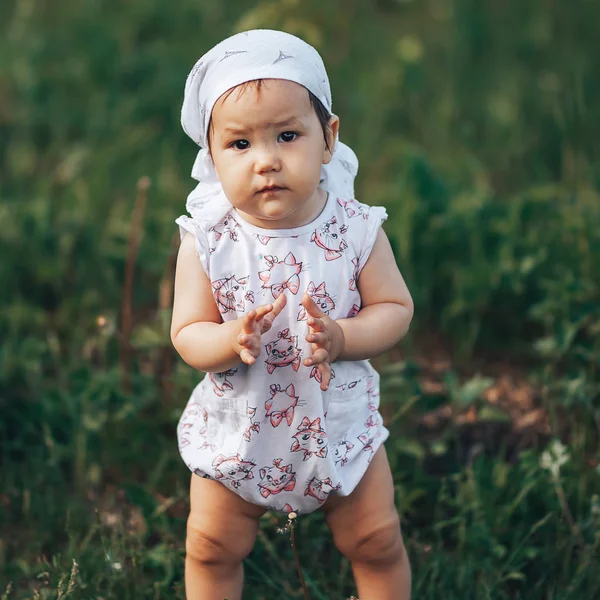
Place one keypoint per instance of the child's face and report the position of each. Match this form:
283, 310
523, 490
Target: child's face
271, 137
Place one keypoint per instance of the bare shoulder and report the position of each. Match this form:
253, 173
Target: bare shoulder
380, 279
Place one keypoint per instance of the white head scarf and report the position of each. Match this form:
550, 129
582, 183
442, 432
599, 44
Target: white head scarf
247, 56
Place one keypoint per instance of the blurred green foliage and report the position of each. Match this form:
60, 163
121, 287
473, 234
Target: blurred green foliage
476, 124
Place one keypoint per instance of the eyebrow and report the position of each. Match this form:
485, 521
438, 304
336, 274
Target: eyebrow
277, 125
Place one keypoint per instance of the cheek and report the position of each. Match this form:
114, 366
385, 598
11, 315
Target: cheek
306, 166
232, 174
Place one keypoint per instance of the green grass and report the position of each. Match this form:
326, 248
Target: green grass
476, 126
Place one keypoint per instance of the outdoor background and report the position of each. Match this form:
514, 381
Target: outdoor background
476, 123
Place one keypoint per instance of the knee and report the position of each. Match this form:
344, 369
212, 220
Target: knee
209, 548
380, 544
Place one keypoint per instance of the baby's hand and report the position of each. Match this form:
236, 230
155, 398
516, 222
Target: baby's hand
326, 338
253, 325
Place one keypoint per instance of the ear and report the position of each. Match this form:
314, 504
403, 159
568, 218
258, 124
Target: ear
331, 133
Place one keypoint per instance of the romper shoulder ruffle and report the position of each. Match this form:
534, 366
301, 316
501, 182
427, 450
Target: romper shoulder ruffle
199, 230
376, 215
364, 221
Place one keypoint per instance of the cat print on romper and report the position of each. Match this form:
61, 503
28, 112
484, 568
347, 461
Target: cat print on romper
310, 439
220, 381
187, 422
254, 426
283, 352
281, 404
320, 488
263, 239
276, 479
347, 386
203, 434
316, 374
233, 469
367, 438
372, 395
226, 225
352, 208
341, 452
354, 277
353, 311
225, 290
329, 238
281, 275
320, 297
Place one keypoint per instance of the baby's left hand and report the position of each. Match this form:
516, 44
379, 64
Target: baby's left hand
326, 338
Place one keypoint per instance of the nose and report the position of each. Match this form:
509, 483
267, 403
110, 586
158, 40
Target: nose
266, 160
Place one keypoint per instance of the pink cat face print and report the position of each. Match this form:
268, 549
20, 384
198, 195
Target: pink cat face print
320, 297
341, 451
227, 290
281, 275
233, 469
352, 208
283, 352
310, 439
220, 382
226, 226
320, 488
276, 479
281, 404
329, 238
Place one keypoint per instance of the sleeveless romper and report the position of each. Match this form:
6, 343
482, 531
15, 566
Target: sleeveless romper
267, 431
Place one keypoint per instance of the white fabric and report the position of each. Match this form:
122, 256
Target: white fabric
247, 56
267, 431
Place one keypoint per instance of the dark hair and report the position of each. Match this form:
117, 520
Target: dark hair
321, 112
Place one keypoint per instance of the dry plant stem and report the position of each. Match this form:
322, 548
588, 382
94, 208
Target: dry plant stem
567, 513
143, 185
297, 559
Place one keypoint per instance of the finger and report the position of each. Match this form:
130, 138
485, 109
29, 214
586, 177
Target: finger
244, 339
279, 305
320, 339
320, 356
247, 357
250, 342
325, 370
247, 325
316, 324
261, 311
311, 308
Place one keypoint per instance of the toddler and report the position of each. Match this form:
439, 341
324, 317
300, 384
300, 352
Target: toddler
285, 287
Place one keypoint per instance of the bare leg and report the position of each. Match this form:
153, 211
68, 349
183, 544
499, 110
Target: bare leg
221, 531
366, 529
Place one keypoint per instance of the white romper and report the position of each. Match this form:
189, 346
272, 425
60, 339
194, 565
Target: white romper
267, 431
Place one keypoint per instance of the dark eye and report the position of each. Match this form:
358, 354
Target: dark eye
334, 235
236, 288
269, 478
246, 470
306, 436
290, 348
320, 441
232, 473
241, 144
287, 136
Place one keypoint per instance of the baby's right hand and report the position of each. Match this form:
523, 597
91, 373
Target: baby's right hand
253, 325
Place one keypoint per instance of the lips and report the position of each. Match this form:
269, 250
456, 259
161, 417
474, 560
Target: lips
271, 188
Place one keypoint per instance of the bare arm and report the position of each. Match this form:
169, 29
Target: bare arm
198, 333
387, 307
